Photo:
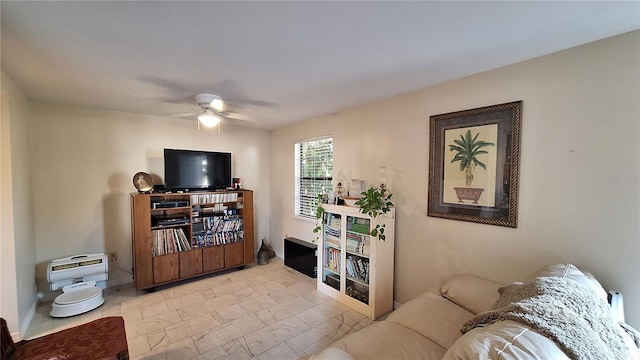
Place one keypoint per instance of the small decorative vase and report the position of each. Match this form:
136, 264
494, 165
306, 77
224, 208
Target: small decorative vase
263, 257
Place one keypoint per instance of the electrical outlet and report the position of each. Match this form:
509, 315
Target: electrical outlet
113, 256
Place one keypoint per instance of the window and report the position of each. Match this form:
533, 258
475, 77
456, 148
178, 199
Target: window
314, 169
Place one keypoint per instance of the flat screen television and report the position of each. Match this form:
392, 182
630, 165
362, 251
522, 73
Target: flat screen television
196, 170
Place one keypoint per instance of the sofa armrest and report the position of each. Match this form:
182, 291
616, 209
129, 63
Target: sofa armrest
470, 292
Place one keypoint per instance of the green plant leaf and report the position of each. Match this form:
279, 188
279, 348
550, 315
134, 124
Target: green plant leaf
375, 202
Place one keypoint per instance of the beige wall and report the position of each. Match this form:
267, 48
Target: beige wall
85, 159
579, 181
18, 298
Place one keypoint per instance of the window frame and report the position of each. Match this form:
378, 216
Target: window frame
307, 188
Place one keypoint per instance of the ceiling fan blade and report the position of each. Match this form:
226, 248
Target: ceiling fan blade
234, 116
181, 115
176, 100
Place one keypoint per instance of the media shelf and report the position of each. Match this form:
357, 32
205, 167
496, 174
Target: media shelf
356, 269
183, 235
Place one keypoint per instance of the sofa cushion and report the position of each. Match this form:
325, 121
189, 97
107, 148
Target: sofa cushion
433, 317
471, 292
569, 271
388, 340
504, 340
331, 353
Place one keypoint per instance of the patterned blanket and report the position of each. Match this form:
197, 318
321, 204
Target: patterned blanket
563, 310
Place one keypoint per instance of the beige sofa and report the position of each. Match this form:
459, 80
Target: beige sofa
429, 326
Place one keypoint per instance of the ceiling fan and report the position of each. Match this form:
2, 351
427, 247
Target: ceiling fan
213, 110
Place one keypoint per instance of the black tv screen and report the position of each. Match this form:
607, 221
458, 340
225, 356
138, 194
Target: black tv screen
190, 170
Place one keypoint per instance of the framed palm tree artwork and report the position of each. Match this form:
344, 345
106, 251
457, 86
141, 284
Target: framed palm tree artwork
474, 164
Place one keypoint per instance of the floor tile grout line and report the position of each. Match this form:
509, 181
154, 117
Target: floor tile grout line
273, 295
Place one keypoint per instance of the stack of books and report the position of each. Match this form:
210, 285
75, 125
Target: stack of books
218, 230
357, 243
169, 241
332, 232
214, 198
331, 259
358, 268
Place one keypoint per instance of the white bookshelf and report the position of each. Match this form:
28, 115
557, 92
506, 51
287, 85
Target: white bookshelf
354, 267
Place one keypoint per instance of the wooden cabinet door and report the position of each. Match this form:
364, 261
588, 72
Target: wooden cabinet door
234, 254
212, 258
142, 243
247, 216
190, 263
165, 268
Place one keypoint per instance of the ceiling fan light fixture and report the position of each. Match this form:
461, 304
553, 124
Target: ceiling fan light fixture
208, 119
212, 101
217, 103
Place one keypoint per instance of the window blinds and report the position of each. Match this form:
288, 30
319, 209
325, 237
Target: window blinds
313, 173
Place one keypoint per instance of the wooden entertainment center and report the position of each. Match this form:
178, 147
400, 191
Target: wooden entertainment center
182, 235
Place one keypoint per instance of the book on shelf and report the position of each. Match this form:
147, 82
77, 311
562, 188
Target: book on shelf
214, 198
332, 232
358, 268
352, 244
332, 240
221, 238
218, 230
358, 225
356, 243
331, 259
333, 221
169, 241
215, 210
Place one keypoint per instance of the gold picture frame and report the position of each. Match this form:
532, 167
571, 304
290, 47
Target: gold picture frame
474, 163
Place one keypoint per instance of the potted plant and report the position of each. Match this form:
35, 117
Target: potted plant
375, 202
319, 213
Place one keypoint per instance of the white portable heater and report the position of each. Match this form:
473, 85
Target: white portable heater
77, 276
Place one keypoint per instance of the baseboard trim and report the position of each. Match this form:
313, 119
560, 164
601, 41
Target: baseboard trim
17, 335
120, 281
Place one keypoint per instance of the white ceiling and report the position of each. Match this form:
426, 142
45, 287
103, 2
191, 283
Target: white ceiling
278, 62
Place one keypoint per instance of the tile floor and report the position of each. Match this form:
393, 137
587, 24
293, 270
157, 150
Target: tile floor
260, 312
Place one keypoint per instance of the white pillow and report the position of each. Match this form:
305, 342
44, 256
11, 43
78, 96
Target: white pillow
569, 271
504, 340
